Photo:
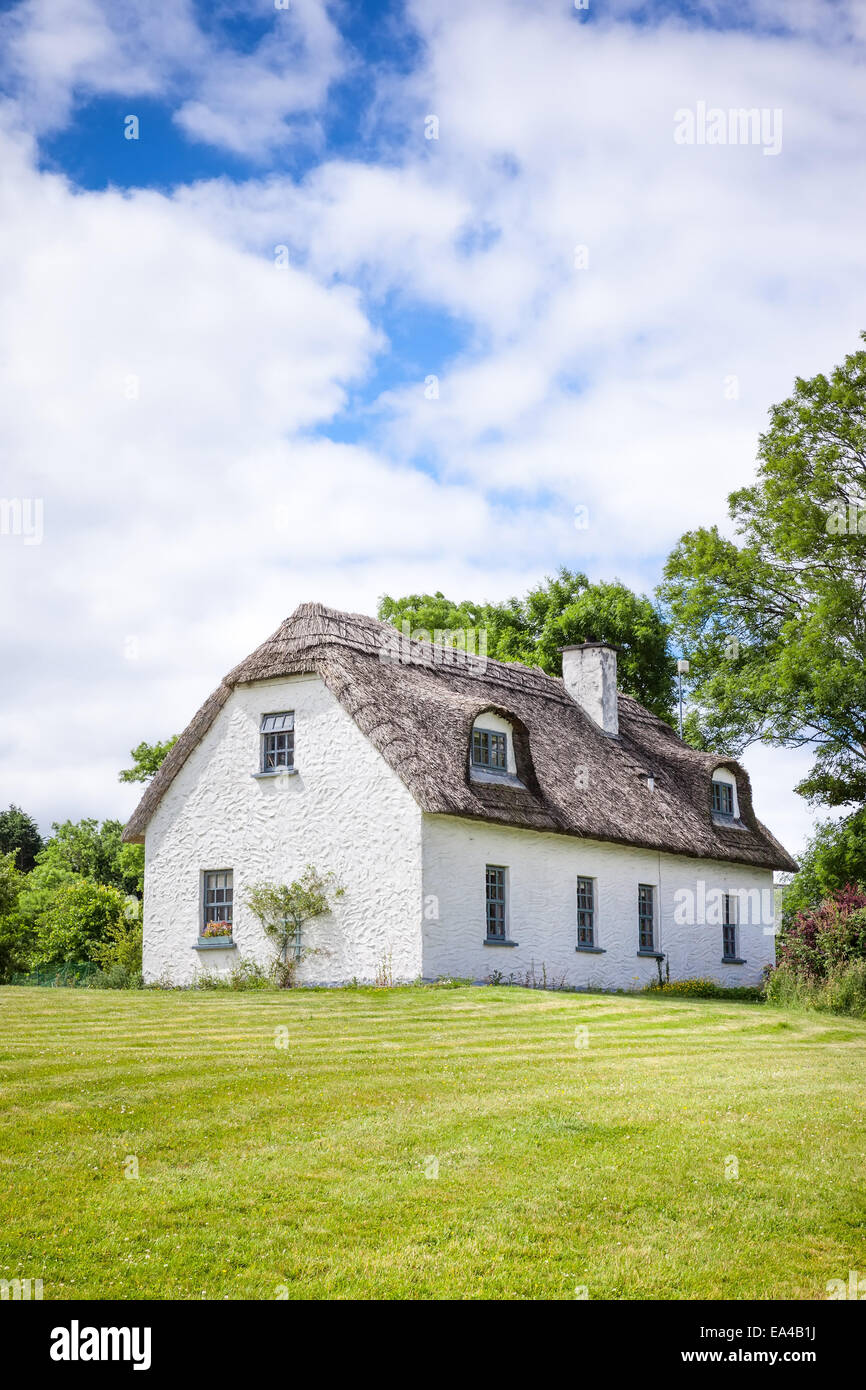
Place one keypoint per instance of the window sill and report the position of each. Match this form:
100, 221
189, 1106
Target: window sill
652, 955
499, 941
592, 950
277, 772
214, 943
494, 777
733, 960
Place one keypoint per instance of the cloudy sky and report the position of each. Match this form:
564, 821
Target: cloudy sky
379, 295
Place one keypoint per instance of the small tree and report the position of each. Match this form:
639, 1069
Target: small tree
283, 908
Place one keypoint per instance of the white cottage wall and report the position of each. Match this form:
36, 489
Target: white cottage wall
345, 810
542, 909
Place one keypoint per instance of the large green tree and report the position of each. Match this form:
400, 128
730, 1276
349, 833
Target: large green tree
773, 620
563, 610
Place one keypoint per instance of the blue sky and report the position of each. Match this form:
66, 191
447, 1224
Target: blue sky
216, 436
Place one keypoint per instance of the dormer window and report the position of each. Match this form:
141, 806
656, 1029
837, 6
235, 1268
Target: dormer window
489, 749
278, 742
724, 803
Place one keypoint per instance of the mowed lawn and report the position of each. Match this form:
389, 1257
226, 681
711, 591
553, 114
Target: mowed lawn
427, 1143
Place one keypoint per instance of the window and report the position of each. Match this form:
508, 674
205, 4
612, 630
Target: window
585, 912
723, 798
495, 902
218, 894
730, 949
489, 749
646, 917
278, 741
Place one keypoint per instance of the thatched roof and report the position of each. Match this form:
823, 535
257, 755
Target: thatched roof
419, 712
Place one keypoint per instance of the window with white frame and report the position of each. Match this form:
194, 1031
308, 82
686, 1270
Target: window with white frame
496, 889
218, 901
646, 917
586, 911
278, 742
730, 922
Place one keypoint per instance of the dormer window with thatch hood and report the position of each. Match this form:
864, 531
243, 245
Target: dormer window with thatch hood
491, 750
725, 802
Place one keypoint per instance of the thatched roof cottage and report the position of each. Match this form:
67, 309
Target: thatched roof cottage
484, 819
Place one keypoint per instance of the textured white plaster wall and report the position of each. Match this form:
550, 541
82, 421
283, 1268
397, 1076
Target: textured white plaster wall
345, 810
543, 909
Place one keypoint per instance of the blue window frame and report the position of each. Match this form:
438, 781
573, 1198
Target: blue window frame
730, 946
489, 749
723, 799
218, 896
278, 741
585, 912
646, 917
496, 902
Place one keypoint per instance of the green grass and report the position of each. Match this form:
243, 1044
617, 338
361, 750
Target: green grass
305, 1167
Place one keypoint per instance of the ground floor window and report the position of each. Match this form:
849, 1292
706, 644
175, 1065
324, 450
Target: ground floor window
496, 903
646, 917
586, 912
730, 949
218, 897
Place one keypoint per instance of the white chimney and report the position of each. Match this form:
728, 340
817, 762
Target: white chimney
589, 673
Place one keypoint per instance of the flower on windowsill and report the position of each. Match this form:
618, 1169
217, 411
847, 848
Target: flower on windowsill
217, 929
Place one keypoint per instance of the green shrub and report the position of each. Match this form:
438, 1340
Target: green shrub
117, 977
817, 942
79, 918
122, 947
841, 991
246, 975
706, 989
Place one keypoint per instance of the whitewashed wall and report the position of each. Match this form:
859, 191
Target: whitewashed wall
543, 909
346, 810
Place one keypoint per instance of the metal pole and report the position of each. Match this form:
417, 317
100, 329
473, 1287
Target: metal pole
682, 669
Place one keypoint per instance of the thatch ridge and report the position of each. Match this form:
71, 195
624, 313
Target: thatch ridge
417, 710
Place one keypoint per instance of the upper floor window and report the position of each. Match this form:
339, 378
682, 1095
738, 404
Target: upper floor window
218, 902
489, 749
646, 917
723, 798
278, 741
586, 912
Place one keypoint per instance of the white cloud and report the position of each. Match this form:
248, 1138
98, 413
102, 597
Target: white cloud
189, 521
247, 102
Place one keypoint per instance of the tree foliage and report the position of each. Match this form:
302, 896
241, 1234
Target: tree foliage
774, 622
146, 760
19, 834
561, 611
93, 851
835, 857
80, 916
